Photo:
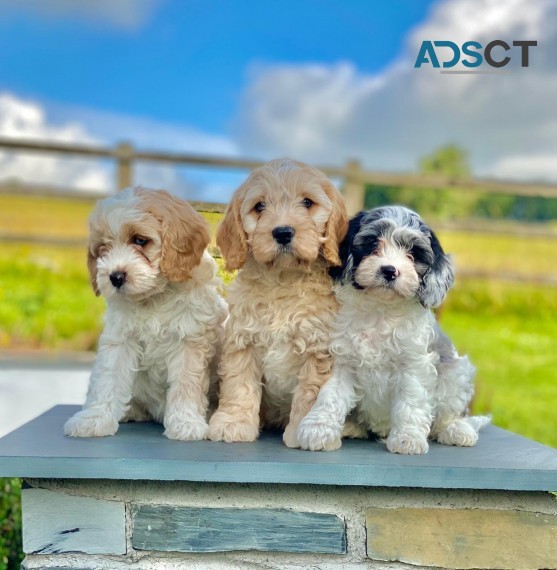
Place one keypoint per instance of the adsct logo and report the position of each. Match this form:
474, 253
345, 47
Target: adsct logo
496, 54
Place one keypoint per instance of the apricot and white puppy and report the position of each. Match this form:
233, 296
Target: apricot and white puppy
147, 256
282, 230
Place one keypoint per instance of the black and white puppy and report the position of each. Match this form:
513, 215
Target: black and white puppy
394, 367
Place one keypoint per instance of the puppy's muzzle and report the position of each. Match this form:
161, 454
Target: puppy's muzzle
283, 234
118, 278
389, 272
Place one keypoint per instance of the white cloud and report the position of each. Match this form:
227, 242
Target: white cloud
330, 113
306, 120
31, 120
27, 120
122, 14
528, 167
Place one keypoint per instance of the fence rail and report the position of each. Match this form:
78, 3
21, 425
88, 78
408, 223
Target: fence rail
353, 175
354, 180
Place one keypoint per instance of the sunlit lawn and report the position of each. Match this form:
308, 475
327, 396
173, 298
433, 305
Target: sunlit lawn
513, 348
491, 252
508, 330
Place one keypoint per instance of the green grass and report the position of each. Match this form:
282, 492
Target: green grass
509, 333
508, 330
494, 253
46, 299
44, 216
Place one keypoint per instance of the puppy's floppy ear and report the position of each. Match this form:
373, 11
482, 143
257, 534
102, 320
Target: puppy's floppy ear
337, 225
92, 267
439, 278
184, 233
231, 237
93, 246
345, 250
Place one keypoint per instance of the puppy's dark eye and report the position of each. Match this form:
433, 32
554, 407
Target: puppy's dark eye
259, 207
419, 255
308, 203
138, 240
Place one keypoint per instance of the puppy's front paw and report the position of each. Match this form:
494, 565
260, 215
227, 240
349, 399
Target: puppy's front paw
318, 436
353, 430
187, 430
289, 437
407, 444
458, 433
225, 427
90, 423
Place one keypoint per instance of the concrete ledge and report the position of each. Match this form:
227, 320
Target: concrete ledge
501, 460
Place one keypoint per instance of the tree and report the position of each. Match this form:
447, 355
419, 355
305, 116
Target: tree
449, 160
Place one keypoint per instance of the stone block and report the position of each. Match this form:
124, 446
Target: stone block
184, 529
54, 523
463, 538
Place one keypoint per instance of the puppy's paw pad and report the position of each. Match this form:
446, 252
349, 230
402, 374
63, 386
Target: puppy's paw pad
458, 433
406, 444
223, 427
187, 430
318, 437
90, 423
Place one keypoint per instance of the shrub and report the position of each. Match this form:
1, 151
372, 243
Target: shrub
11, 553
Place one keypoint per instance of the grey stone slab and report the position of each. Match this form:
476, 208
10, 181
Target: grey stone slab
501, 460
54, 523
184, 529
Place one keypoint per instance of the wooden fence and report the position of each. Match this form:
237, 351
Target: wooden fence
354, 180
354, 177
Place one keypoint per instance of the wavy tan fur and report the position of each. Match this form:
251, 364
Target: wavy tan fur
185, 233
276, 356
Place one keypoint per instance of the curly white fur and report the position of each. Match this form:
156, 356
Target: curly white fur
162, 328
393, 365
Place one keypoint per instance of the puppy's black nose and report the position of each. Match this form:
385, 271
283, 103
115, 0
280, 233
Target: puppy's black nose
390, 272
283, 234
118, 278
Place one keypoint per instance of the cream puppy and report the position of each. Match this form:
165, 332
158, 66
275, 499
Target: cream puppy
147, 256
282, 231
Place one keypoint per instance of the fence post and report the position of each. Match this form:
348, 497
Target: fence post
124, 174
353, 188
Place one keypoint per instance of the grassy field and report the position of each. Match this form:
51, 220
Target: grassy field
508, 330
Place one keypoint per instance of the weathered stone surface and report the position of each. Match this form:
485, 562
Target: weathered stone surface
218, 530
24, 566
54, 523
501, 460
463, 538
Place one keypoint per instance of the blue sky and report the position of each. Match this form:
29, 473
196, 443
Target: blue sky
189, 60
322, 81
